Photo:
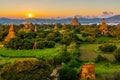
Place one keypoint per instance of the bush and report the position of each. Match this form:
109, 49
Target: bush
109, 76
14, 43
27, 44
100, 58
28, 69
50, 37
117, 55
73, 63
107, 47
50, 44
40, 44
67, 73
45, 44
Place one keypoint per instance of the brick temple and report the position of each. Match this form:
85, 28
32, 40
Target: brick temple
29, 27
87, 72
75, 22
104, 28
11, 33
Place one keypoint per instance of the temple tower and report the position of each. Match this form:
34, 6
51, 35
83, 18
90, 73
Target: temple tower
118, 26
28, 27
11, 33
87, 72
75, 22
103, 27
35, 29
55, 27
64, 26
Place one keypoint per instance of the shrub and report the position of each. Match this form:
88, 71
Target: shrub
28, 69
14, 43
67, 73
100, 58
50, 44
45, 44
117, 54
50, 37
27, 44
40, 44
73, 63
109, 76
107, 47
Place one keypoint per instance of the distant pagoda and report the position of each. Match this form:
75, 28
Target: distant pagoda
55, 27
29, 27
35, 29
11, 33
64, 26
103, 27
75, 22
118, 26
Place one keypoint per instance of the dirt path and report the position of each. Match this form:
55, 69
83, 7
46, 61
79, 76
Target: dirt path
55, 72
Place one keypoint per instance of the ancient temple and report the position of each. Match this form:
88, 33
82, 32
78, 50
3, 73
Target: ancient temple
103, 27
11, 33
64, 26
35, 29
87, 72
75, 22
118, 26
55, 27
29, 27
35, 45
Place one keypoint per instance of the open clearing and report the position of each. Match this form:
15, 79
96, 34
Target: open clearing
90, 51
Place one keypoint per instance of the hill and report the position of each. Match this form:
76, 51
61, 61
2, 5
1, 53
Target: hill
111, 20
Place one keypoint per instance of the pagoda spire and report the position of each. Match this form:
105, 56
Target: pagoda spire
75, 22
11, 33
104, 28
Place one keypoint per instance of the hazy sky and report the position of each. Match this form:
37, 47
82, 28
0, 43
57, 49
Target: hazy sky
61, 8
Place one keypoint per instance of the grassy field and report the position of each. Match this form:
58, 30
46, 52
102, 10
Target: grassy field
90, 51
7, 56
39, 53
102, 68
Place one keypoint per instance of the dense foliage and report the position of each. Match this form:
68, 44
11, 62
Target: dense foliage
69, 40
107, 47
67, 73
117, 54
100, 58
28, 69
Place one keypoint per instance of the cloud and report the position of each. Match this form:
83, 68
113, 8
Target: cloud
107, 14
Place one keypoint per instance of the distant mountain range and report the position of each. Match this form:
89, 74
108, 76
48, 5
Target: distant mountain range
111, 20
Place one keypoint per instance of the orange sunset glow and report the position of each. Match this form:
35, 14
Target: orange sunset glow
57, 8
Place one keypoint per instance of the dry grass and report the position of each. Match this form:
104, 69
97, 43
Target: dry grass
90, 51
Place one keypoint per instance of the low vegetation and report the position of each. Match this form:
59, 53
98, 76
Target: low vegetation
33, 55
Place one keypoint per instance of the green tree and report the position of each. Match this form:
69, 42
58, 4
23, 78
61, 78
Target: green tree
50, 37
14, 43
27, 69
115, 32
67, 73
117, 54
107, 47
27, 44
